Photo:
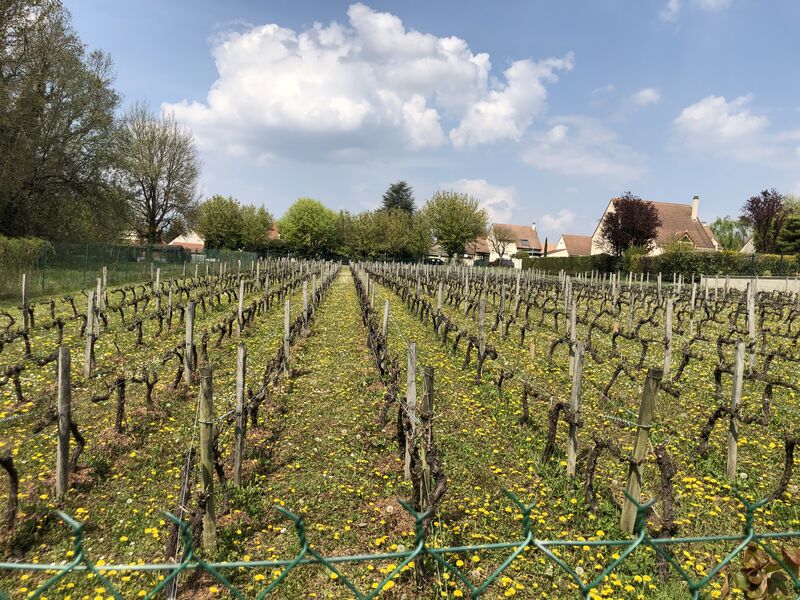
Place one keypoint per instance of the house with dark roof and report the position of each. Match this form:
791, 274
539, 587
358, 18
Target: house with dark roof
571, 245
679, 223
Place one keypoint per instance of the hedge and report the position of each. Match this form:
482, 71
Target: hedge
685, 262
18, 255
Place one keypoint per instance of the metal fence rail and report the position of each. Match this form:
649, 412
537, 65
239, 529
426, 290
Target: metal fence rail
306, 555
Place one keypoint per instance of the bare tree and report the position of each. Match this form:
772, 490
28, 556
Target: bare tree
161, 166
500, 237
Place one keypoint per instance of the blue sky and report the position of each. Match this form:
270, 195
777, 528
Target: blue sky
543, 110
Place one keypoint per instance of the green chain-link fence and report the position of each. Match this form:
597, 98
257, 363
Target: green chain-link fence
423, 550
63, 267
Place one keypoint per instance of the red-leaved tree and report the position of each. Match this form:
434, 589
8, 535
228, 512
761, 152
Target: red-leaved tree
632, 222
766, 214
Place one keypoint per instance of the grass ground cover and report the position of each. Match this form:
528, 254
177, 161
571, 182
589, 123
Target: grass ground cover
706, 501
320, 451
126, 480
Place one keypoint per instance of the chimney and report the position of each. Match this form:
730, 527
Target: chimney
695, 206
533, 225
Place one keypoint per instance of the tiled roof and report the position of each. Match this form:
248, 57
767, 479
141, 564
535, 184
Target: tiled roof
521, 233
478, 246
578, 245
677, 222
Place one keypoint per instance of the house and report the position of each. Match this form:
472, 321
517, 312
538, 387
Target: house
190, 241
477, 249
749, 246
679, 223
571, 245
510, 239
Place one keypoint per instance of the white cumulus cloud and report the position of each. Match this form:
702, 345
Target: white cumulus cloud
646, 96
507, 112
558, 222
581, 146
498, 201
348, 91
715, 126
673, 8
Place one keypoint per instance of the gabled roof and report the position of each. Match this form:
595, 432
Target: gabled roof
189, 240
478, 246
577, 245
676, 223
525, 237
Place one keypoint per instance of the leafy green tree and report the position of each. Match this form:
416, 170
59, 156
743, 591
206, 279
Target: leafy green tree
383, 235
161, 168
420, 240
731, 233
57, 128
219, 221
399, 196
309, 227
789, 237
256, 225
454, 219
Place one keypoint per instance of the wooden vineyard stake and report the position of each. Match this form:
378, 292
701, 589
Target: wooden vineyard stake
305, 306
314, 294
64, 418
241, 417
668, 310
240, 311
207, 458
411, 405
751, 321
287, 307
157, 290
659, 286
573, 335
426, 437
88, 356
26, 317
575, 405
647, 409
501, 313
385, 326
169, 308
188, 349
736, 400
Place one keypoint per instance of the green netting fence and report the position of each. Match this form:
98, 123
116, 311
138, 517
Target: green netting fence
59, 268
781, 568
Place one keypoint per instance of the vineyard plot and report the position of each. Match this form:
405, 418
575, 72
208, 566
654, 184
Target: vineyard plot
324, 428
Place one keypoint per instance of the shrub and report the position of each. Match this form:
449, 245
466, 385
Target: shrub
18, 255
